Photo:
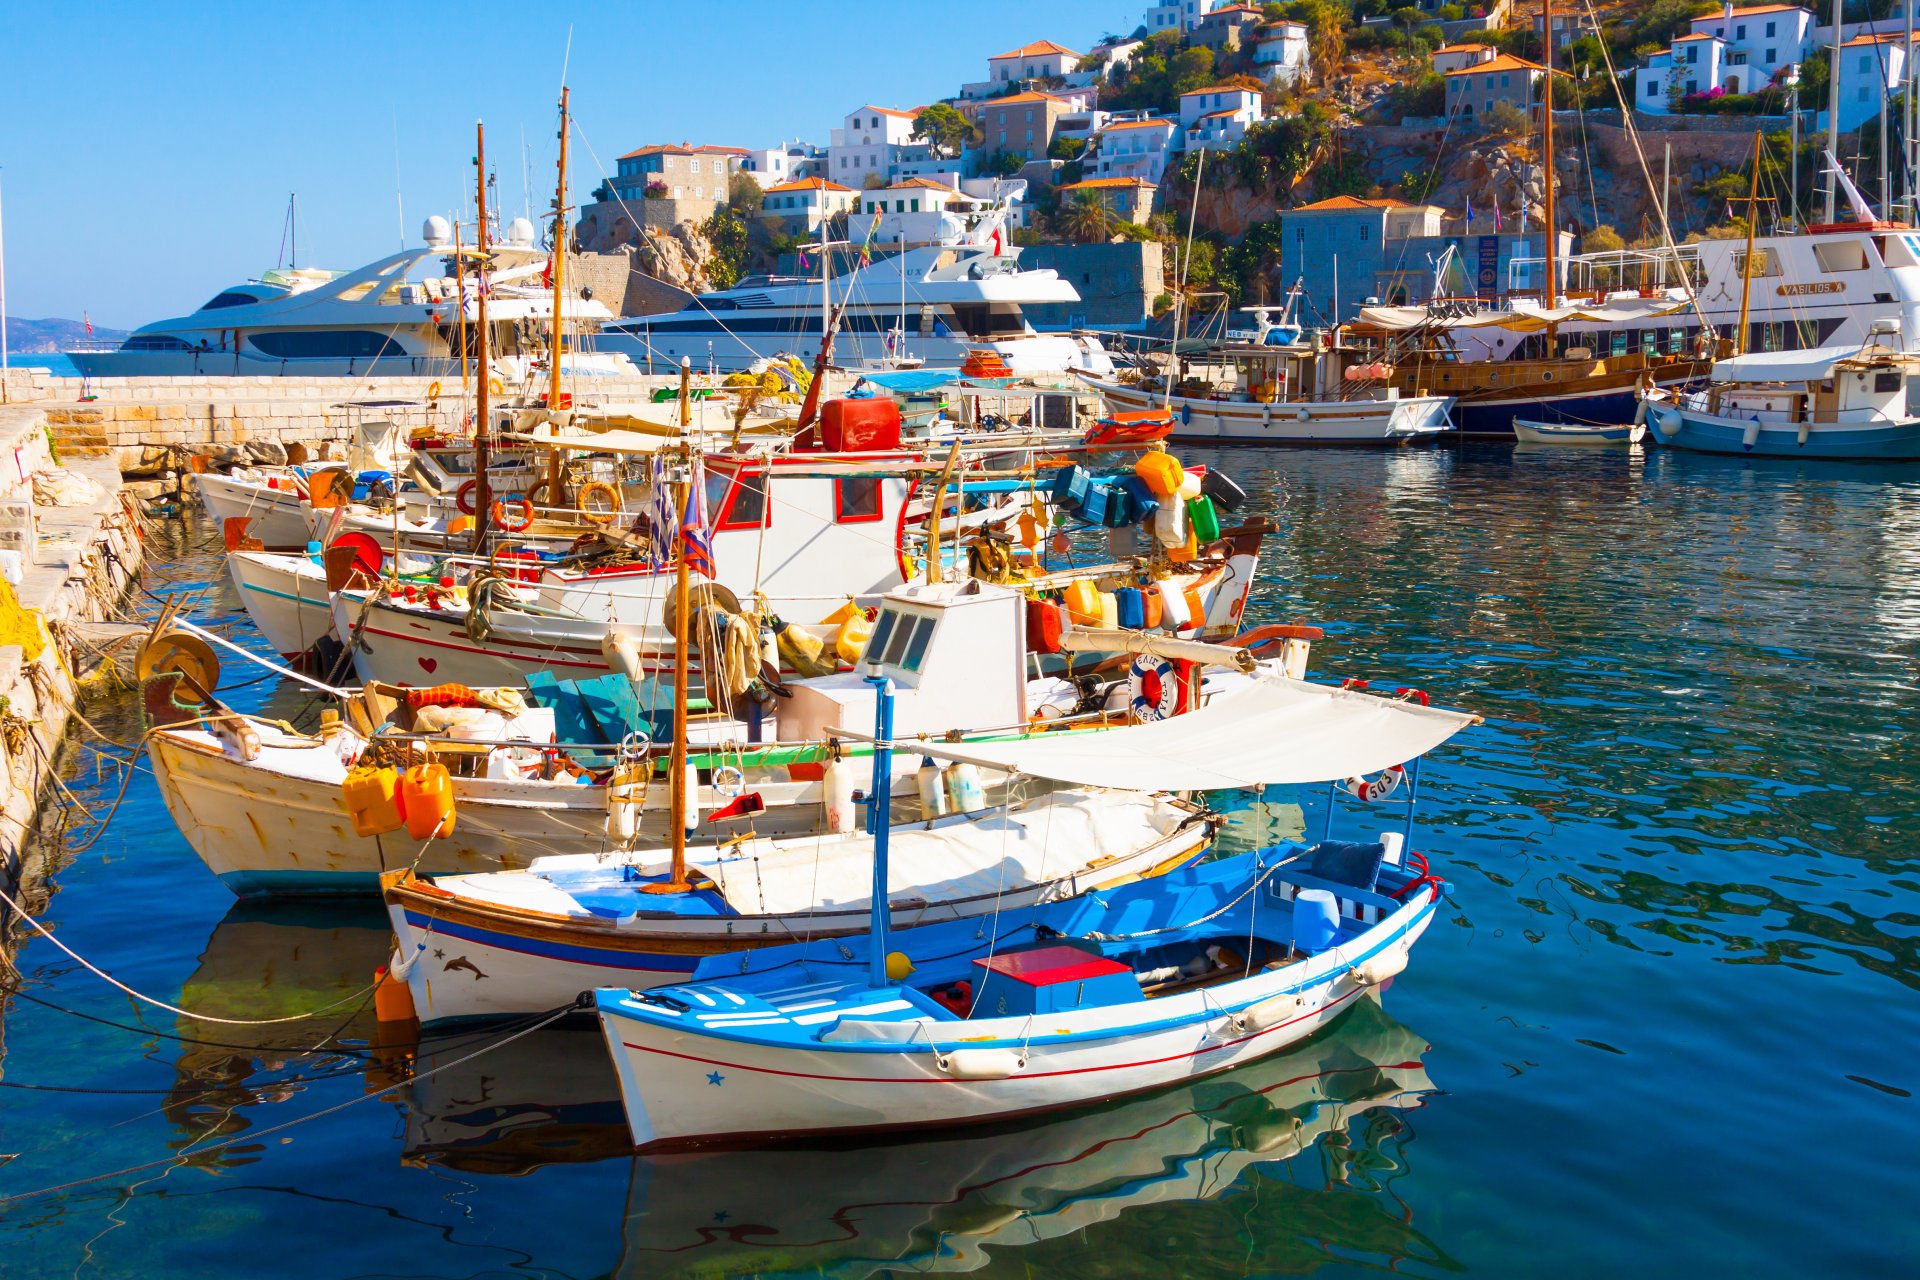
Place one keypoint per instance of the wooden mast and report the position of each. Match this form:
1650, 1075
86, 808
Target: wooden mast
676, 882
558, 261
1746, 263
482, 425
460, 305
1546, 146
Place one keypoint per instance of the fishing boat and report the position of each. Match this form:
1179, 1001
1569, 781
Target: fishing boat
1066, 1003
1598, 434
1833, 402
951, 1203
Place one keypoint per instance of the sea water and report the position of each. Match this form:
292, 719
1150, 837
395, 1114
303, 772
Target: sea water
1665, 1025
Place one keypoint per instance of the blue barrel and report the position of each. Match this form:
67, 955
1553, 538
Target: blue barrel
1316, 920
1132, 611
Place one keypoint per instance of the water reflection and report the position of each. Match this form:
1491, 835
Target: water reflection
1304, 1143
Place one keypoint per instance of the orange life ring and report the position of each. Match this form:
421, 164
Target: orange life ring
519, 502
464, 498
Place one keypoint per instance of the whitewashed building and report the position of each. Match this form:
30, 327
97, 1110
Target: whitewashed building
1182, 15
1133, 149
771, 166
1281, 53
802, 206
871, 141
1732, 50
1218, 116
919, 210
1459, 57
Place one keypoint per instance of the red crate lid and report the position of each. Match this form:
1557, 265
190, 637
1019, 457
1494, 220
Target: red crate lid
1047, 966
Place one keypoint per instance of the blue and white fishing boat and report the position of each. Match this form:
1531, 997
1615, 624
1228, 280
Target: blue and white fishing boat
1853, 402
1054, 1005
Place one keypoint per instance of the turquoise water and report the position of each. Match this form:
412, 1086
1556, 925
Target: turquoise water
54, 363
1665, 1028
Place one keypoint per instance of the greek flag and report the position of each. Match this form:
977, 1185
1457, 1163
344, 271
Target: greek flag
694, 540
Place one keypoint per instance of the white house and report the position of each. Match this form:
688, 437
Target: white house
871, 141
1036, 61
1280, 52
1734, 51
771, 166
1458, 57
1217, 116
1182, 15
1873, 69
1133, 149
919, 210
1111, 55
802, 206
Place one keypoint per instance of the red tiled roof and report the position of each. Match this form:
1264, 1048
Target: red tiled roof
809, 184
1350, 202
1038, 49
1107, 182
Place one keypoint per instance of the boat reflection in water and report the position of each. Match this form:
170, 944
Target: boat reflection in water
1169, 1167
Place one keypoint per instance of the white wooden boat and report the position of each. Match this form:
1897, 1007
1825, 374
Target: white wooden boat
1067, 1003
1579, 433
1832, 402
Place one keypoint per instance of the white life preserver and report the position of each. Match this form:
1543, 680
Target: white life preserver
1153, 689
1376, 788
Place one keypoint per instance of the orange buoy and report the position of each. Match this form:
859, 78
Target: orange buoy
392, 1000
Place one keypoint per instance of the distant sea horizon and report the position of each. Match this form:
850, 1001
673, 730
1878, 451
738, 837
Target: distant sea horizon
54, 362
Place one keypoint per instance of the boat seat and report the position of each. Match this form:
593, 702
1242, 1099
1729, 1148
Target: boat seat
1346, 862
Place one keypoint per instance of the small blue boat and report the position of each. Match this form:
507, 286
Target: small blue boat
1828, 402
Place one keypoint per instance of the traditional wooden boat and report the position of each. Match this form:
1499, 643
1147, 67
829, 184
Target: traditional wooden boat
1580, 433
1832, 402
1064, 1003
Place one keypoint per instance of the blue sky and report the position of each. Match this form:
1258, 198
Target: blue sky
147, 150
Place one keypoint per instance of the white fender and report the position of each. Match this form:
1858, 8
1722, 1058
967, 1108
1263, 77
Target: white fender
621, 648
1805, 429
980, 1064
1377, 969
1751, 435
1667, 422
1270, 1012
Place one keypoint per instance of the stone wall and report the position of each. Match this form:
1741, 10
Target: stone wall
1117, 283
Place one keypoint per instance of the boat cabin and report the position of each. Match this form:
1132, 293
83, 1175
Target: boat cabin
1873, 385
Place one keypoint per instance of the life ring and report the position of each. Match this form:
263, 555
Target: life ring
464, 498
729, 781
433, 390
537, 493
1376, 788
592, 515
495, 387
1153, 689
517, 501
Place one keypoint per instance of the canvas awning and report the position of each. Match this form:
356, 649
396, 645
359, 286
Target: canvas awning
1277, 731
1810, 365
1521, 317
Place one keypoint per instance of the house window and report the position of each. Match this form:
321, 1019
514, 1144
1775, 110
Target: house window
1866, 64
1300, 235
1653, 90
1770, 27
1740, 32
1693, 86
1769, 57
856, 499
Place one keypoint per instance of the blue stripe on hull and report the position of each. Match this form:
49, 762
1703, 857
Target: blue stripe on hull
559, 950
1893, 443
1495, 417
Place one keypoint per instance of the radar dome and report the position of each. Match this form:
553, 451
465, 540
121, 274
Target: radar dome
520, 232
436, 230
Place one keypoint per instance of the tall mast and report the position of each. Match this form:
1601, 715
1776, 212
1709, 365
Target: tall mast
460, 305
1746, 264
1180, 287
1546, 145
1833, 117
559, 267
483, 425
677, 756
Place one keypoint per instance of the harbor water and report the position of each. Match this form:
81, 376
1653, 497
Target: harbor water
1664, 1027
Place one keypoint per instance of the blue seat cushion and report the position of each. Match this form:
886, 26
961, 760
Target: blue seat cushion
1349, 863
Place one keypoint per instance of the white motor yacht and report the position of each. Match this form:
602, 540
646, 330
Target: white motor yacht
398, 316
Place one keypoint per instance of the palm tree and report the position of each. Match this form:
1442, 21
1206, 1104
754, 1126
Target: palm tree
1087, 218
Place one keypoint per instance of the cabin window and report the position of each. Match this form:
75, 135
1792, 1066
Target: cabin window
856, 499
1765, 263
230, 299
900, 640
1886, 380
882, 632
741, 502
1841, 255
323, 344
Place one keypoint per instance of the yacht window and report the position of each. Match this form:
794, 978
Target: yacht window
323, 344
856, 499
1767, 263
1841, 255
155, 342
231, 298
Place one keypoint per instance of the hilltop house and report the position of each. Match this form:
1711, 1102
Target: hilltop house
1218, 116
1024, 124
801, 207
770, 166
1181, 15
869, 142
1733, 51
1281, 53
1473, 90
1227, 28
919, 210
1873, 71
1127, 199
1458, 57
687, 172
1133, 149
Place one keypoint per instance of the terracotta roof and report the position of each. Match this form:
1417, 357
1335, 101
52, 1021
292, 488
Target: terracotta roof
1107, 182
1221, 88
1882, 37
923, 184
1038, 48
1350, 202
1741, 13
1505, 62
1461, 48
1021, 97
1698, 35
683, 150
1137, 124
886, 111
1233, 8
809, 184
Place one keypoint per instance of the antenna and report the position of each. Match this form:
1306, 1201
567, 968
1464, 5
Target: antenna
399, 200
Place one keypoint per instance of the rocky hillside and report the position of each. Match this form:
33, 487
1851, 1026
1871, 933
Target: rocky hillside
43, 337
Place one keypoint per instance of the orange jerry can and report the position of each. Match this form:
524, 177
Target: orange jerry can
1083, 603
1161, 472
371, 797
426, 795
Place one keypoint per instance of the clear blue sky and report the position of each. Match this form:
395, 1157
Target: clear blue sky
147, 149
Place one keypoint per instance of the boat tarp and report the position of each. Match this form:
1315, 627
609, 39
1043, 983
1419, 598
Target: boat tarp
1810, 365
1277, 731
1522, 318
911, 381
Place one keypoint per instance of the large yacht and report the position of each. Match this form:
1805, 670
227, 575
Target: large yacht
924, 307
400, 315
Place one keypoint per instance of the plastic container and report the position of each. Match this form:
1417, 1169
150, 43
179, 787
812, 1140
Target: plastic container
1044, 624
1109, 610
1132, 611
964, 791
1096, 504
1190, 485
836, 785
1173, 605
1070, 485
1151, 607
1170, 522
426, 797
1144, 500
1083, 603
933, 789
1161, 471
1225, 493
1316, 921
1201, 517
853, 426
372, 797
850, 641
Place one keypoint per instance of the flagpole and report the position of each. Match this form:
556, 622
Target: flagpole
676, 881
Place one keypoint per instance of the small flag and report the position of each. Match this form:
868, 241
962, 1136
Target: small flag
805, 265
1496, 217
87, 321
694, 541
1469, 214
1729, 211
546, 275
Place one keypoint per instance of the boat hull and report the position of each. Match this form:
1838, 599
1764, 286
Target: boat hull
674, 1080
277, 517
1618, 436
1680, 428
286, 596
1371, 422
425, 647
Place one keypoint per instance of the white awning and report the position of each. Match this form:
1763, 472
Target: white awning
1524, 316
1811, 365
1276, 731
